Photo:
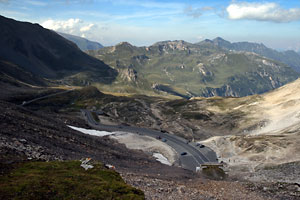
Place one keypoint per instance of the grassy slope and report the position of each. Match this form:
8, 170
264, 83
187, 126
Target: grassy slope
64, 180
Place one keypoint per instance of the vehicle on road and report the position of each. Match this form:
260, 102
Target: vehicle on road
200, 145
183, 153
164, 140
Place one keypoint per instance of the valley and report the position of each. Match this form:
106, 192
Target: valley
150, 118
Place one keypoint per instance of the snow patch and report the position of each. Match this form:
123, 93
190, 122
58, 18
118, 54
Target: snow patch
159, 157
135, 141
91, 131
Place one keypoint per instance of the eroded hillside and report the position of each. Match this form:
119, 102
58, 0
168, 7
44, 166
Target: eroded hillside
274, 141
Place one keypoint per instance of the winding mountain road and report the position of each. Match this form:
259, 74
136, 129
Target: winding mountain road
25, 103
195, 156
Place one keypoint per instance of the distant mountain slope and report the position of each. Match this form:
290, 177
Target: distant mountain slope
82, 43
42, 53
289, 57
184, 69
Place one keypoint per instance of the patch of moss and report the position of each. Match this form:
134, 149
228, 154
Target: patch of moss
64, 180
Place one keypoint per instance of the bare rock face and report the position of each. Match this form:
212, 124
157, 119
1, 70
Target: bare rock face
128, 74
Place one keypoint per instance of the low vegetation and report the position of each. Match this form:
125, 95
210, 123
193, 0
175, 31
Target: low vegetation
64, 180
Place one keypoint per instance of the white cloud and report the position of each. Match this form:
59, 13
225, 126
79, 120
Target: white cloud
71, 26
86, 28
262, 12
199, 37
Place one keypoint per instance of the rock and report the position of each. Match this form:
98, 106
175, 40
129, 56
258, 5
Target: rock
85, 165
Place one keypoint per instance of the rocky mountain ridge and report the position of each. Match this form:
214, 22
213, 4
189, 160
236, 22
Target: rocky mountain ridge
185, 69
44, 55
83, 43
288, 57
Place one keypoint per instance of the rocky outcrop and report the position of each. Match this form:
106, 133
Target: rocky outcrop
128, 74
169, 90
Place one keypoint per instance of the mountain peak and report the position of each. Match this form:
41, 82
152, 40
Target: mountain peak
221, 42
125, 44
219, 39
175, 44
123, 47
168, 42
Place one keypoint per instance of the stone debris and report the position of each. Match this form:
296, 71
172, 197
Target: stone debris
29, 150
85, 164
108, 166
191, 189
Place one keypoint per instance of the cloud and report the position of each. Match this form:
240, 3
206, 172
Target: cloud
196, 12
86, 28
262, 12
71, 26
199, 37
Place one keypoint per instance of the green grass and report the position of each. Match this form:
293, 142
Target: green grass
64, 180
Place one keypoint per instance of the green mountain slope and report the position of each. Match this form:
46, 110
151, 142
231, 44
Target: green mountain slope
82, 43
289, 57
184, 69
37, 52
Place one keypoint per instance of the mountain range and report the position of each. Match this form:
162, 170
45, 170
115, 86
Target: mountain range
30, 53
82, 43
34, 55
288, 57
185, 69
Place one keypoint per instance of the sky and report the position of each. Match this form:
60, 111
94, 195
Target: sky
276, 23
